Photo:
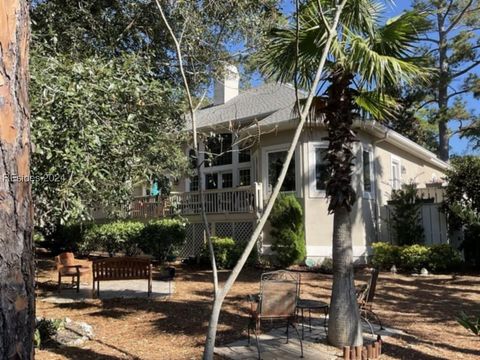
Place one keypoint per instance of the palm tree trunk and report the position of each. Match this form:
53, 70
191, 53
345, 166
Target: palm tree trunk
17, 296
344, 327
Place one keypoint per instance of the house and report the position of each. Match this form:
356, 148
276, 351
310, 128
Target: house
253, 131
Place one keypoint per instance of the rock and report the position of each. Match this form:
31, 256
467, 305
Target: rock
74, 333
424, 272
393, 269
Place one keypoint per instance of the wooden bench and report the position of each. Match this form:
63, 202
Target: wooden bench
121, 268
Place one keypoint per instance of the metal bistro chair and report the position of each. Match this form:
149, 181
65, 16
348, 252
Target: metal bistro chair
277, 300
365, 296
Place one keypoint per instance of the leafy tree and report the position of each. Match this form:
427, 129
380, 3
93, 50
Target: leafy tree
452, 44
462, 203
406, 216
411, 120
366, 60
98, 126
208, 31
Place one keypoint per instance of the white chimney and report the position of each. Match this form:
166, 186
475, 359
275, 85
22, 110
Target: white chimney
227, 88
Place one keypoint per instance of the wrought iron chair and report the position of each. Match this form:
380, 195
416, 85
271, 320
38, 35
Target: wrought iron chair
365, 296
279, 291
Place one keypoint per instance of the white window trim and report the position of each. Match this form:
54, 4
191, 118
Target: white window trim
276, 148
395, 159
368, 194
312, 179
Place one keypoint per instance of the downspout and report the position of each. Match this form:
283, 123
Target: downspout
377, 188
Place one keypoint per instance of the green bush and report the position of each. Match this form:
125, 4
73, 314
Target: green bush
45, 330
163, 238
326, 267
224, 249
385, 255
68, 237
227, 252
286, 220
414, 257
469, 322
114, 237
435, 258
443, 258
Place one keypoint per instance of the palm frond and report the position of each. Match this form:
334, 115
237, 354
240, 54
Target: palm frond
399, 34
278, 59
378, 69
362, 16
380, 106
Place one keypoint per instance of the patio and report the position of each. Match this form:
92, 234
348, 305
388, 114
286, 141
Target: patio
421, 308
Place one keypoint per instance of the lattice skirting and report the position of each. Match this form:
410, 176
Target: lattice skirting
240, 231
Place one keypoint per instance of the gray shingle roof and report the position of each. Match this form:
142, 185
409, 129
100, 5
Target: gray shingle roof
256, 102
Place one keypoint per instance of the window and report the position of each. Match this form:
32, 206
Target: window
194, 183
218, 150
244, 156
275, 162
211, 181
244, 177
321, 169
318, 168
227, 180
367, 171
395, 175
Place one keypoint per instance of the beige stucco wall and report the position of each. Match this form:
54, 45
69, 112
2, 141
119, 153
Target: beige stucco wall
366, 215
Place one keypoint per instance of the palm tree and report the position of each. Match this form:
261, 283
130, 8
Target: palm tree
365, 61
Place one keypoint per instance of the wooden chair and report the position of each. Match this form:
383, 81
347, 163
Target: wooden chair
279, 291
67, 266
365, 296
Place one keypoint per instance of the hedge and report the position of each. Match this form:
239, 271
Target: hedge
163, 238
227, 252
435, 258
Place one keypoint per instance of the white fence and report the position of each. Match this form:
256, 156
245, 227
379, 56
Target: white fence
433, 220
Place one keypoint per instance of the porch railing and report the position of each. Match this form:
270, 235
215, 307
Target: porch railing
238, 200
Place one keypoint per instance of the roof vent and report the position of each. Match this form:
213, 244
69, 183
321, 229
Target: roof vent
227, 88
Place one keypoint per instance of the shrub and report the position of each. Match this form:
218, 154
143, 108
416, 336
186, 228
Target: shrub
163, 238
114, 237
45, 330
471, 323
406, 217
224, 252
443, 258
385, 255
227, 252
68, 237
327, 266
435, 258
286, 220
414, 257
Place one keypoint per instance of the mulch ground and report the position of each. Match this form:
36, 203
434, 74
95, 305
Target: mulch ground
175, 328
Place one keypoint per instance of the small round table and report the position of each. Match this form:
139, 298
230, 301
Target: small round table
307, 304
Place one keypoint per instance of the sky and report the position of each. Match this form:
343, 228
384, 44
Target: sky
458, 146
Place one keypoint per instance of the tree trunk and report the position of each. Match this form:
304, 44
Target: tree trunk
443, 83
344, 327
17, 307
